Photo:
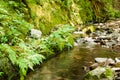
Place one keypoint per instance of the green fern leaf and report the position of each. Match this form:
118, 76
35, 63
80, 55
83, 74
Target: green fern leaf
8, 50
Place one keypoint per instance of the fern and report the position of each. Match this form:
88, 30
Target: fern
27, 59
9, 52
45, 49
61, 44
3, 11
59, 39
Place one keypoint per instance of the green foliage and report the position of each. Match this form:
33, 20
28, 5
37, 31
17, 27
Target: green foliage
12, 24
57, 40
17, 51
62, 37
27, 59
1, 73
44, 48
98, 10
112, 13
48, 13
7, 50
24, 57
108, 74
13, 31
86, 11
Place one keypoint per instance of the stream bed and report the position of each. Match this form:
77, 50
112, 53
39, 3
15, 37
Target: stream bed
70, 65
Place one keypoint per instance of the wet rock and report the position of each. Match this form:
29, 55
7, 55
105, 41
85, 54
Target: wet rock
93, 66
76, 44
80, 41
118, 39
105, 37
100, 60
106, 34
102, 66
116, 69
110, 43
107, 61
110, 61
97, 73
89, 39
97, 40
117, 60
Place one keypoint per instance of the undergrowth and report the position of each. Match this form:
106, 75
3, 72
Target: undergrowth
98, 10
14, 52
57, 41
18, 51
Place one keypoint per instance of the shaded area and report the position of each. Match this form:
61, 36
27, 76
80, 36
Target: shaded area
69, 65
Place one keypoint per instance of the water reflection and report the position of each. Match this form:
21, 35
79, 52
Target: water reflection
69, 65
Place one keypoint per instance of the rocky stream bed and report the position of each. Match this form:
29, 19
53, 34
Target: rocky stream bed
106, 35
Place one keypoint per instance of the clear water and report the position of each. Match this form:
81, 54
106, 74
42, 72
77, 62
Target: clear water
69, 65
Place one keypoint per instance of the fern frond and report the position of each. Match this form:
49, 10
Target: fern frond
28, 60
9, 52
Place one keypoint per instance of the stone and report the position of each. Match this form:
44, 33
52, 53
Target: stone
35, 33
93, 66
100, 60
117, 78
117, 60
116, 69
76, 44
110, 61
106, 60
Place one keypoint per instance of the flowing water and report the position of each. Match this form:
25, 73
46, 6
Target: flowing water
69, 65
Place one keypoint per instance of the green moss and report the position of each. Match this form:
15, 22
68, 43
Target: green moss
51, 13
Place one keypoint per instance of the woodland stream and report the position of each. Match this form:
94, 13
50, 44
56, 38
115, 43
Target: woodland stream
69, 65
31, 31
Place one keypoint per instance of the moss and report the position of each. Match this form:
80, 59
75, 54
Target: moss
50, 13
